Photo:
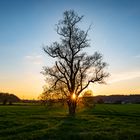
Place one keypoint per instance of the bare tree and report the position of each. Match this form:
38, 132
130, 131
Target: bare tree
73, 70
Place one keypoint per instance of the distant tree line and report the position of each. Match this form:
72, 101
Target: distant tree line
7, 98
115, 99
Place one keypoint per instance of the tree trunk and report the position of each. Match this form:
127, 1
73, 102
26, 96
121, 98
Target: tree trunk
72, 106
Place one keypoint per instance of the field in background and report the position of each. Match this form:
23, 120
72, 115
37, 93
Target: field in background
105, 121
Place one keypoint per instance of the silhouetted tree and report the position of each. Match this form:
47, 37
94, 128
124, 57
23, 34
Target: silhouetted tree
74, 70
88, 93
49, 95
6, 97
88, 99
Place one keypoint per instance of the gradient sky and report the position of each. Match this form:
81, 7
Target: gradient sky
25, 25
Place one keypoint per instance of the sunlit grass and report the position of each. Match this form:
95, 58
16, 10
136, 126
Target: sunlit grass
40, 123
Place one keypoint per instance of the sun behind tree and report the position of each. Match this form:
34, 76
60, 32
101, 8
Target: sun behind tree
74, 70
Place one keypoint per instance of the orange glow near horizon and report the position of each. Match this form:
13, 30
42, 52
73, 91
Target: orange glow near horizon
27, 87
73, 96
30, 87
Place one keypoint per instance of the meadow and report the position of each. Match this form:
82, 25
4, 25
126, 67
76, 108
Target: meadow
36, 122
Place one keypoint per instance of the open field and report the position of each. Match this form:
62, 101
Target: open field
113, 122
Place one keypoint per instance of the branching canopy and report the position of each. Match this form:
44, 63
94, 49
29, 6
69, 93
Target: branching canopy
74, 70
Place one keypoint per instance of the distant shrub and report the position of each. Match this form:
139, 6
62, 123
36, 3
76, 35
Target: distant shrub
8, 98
88, 101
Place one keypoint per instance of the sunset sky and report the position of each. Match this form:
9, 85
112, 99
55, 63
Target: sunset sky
25, 25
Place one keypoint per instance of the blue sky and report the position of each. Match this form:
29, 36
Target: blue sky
27, 24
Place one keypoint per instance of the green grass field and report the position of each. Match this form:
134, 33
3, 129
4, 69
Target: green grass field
33, 122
